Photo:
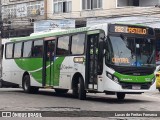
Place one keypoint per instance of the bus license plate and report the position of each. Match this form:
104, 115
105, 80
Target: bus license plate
136, 87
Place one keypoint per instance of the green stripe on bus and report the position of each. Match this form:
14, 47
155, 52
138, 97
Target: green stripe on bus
134, 79
34, 67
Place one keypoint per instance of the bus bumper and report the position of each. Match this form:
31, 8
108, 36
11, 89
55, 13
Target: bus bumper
110, 85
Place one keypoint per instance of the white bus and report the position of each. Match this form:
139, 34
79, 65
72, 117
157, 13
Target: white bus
111, 58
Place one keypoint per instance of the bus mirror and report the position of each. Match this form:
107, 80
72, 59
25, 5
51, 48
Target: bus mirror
100, 57
101, 50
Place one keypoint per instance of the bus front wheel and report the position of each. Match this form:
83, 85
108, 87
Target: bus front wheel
120, 96
81, 89
27, 87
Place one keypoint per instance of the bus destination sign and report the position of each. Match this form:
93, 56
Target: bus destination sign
130, 29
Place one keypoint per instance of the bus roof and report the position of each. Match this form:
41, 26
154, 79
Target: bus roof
64, 32
50, 34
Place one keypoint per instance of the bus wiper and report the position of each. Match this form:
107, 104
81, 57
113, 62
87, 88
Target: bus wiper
123, 36
150, 58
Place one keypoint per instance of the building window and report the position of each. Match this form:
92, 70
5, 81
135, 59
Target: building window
91, 4
62, 6
17, 50
35, 8
143, 3
123, 3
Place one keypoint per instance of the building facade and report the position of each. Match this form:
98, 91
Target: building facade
19, 15
79, 9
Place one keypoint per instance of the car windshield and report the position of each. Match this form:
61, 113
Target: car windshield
130, 51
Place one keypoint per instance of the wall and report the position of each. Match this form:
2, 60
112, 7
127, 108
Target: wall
6, 2
108, 4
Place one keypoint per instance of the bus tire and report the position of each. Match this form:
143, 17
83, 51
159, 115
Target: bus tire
61, 91
75, 91
27, 87
1, 84
159, 89
81, 89
120, 96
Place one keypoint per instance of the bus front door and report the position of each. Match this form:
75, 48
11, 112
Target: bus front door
48, 62
92, 61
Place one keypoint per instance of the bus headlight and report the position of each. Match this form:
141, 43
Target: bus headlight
112, 77
115, 79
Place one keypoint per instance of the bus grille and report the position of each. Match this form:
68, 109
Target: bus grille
143, 86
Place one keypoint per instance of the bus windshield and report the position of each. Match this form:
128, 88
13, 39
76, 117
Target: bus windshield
130, 51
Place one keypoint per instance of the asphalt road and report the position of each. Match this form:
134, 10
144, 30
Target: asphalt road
12, 99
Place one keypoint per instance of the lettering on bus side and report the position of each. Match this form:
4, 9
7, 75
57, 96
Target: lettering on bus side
63, 67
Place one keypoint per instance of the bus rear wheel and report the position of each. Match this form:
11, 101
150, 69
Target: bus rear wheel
27, 87
1, 83
120, 96
61, 91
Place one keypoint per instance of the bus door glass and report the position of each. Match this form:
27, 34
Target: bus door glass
92, 59
48, 64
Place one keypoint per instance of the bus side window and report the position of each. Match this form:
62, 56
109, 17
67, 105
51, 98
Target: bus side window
27, 49
77, 44
63, 45
9, 50
2, 47
37, 50
17, 50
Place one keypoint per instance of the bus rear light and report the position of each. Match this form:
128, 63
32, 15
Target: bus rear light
157, 75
